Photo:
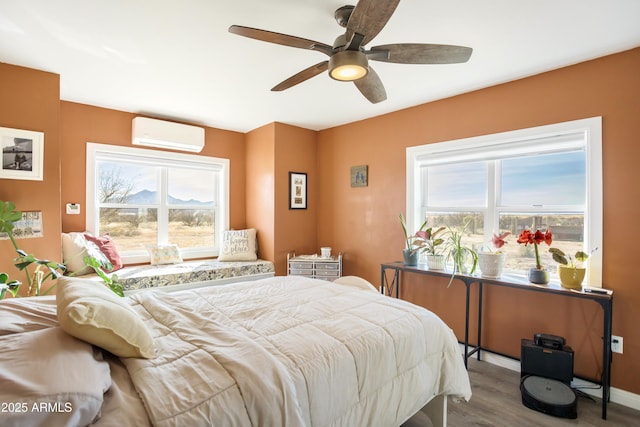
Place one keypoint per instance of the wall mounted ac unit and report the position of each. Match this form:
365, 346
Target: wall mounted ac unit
169, 135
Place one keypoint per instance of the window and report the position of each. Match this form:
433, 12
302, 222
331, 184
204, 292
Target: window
538, 178
145, 197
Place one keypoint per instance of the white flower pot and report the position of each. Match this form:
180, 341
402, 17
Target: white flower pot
435, 262
491, 265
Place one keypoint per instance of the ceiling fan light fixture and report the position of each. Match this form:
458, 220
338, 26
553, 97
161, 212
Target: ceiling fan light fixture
348, 65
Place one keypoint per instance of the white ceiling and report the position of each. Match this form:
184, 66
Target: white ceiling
176, 59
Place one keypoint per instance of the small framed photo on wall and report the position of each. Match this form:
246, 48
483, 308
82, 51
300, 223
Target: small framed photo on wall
359, 176
28, 227
22, 154
297, 190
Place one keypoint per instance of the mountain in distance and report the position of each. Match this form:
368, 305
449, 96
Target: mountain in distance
148, 197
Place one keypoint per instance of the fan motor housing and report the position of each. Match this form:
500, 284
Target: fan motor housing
343, 14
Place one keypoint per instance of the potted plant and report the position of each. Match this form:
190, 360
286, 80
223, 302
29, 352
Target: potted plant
464, 258
44, 269
413, 243
491, 262
431, 243
538, 274
570, 269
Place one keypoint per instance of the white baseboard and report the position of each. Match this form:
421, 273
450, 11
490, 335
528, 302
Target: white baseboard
621, 397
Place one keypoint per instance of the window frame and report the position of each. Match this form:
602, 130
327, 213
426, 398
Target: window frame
521, 140
95, 151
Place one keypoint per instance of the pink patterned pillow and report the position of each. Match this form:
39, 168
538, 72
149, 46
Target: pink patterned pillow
108, 247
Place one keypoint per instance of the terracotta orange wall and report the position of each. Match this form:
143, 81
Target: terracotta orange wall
363, 222
295, 228
30, 100
260, 188
83, 123
273, 151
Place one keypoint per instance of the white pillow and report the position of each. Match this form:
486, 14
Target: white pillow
74, 248
90, 311
164, 254
356, 282
239, 245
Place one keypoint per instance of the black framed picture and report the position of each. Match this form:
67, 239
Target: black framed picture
22, 154
297, 190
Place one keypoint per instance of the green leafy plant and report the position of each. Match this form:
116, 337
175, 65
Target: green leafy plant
9, 215
567, 260
44, 269
458, 253
111, 281
430, 240
8, 285
423, 240
413, 241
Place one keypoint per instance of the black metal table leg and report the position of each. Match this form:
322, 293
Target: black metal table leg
466, 325
479, 343
607, 307
385, 286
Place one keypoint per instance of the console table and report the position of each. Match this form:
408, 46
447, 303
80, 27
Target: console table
390, 281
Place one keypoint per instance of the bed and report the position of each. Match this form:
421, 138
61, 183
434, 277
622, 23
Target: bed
280, 351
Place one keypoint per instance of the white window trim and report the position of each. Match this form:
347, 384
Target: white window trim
592, 129
222, 219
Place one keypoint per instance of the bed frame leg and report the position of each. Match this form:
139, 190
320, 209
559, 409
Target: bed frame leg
436, 409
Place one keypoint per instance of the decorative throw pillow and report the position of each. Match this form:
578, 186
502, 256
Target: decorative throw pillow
88, 310
239, 245
74, 248
164, 254
108, 247
50, 378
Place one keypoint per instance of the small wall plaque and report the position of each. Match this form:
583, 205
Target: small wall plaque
359, 176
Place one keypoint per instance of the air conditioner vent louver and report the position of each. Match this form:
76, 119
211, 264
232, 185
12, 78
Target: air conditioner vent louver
169, 135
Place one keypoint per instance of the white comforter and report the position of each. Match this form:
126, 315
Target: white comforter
291, 351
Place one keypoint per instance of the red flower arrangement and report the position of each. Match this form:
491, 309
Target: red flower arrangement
535, 239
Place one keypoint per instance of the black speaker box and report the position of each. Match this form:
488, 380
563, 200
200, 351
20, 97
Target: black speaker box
541, 361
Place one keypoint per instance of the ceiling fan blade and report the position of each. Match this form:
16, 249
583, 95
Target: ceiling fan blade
369, 17
303, 75
281, 39
371, 87
420, 53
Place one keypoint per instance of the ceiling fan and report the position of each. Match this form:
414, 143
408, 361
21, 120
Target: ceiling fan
348, 58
